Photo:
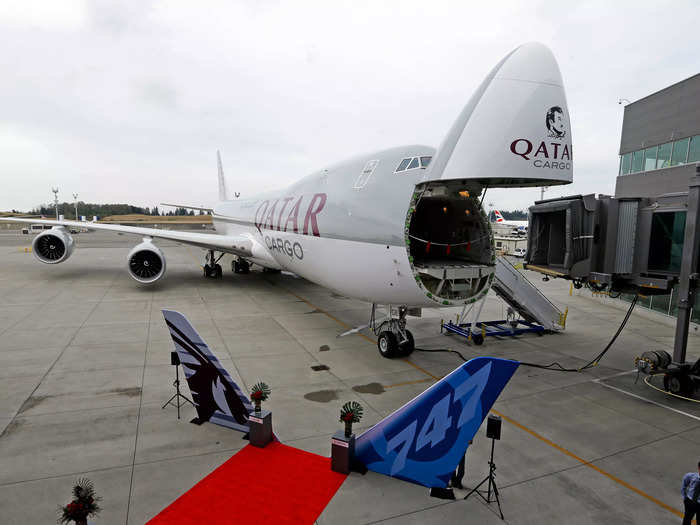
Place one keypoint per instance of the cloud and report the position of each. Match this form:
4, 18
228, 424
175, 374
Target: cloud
46, 14
128, 102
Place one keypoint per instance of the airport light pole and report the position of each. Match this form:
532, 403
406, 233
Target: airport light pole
55, 200
75, 198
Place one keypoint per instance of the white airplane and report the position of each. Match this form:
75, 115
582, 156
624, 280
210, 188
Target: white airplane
402, 226
518, 226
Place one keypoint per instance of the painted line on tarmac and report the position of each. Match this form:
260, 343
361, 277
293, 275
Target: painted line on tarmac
197, 261
686, 414
613, 375
341, 323
415, 382
588, 464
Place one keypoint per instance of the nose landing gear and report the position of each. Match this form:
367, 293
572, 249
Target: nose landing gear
394, 340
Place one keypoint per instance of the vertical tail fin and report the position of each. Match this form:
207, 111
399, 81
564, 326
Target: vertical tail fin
222, 181
424, 441
216, 396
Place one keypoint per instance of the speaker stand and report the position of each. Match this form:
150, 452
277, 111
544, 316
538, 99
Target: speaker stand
491, 479
178, 399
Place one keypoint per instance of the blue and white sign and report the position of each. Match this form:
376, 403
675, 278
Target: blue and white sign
424, 441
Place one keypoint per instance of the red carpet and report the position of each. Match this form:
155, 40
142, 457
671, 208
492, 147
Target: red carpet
276, 484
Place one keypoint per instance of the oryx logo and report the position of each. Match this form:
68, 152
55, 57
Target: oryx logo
555, 122
216, 396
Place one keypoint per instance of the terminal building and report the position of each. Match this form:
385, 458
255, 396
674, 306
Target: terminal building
659, 149
660, 141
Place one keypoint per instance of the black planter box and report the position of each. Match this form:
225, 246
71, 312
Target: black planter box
342, 452
260, 433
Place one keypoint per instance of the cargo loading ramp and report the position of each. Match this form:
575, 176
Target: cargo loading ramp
525, 298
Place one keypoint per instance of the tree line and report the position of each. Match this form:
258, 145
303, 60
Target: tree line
67, 209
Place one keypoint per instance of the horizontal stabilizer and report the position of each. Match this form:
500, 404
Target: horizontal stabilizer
424, 441
216, 396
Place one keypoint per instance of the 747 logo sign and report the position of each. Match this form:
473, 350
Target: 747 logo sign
424, 440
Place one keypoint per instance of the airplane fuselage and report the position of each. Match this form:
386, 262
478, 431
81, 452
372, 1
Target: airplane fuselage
345, 227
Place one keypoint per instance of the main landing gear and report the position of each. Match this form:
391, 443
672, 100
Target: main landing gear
212, 268
239, 265
393, 340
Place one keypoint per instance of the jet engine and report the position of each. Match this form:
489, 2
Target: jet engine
53, 246
146, 263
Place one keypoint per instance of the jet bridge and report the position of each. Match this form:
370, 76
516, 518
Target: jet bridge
525, 298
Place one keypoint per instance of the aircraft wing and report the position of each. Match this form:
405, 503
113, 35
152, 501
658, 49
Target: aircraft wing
187, 207
236, 244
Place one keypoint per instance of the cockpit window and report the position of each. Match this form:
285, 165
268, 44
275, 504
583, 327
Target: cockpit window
403, 164
412, 163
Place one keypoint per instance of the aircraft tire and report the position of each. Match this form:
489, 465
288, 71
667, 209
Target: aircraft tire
478, 339
207, 270
218, 271
236, 267
407, 348
387, 344
245, 266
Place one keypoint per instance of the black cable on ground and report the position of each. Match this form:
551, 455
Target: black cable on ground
594, 362
555, 366
441, 350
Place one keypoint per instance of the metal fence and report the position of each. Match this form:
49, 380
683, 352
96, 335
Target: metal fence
665, 304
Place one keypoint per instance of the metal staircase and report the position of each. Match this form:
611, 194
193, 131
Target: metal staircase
524, 297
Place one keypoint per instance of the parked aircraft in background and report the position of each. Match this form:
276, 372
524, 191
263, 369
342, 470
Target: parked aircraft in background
519, 227
402, 226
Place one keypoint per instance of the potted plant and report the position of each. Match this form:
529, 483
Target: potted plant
259, 393
83, 506
349, 414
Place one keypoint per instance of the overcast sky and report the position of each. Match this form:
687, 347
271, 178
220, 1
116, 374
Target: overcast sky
128, 102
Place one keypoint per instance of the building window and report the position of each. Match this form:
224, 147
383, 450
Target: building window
664, 157
680, 152
637, 161
694, 150
650, 158
626, 164
666, 246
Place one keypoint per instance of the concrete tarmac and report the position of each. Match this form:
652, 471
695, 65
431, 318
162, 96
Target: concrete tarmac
85, 368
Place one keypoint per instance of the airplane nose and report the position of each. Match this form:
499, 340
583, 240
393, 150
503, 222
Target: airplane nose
503, 137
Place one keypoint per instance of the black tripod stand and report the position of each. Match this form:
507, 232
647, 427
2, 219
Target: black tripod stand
493, 430
175, 399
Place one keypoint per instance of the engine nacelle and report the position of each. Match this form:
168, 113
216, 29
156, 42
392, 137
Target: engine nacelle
146, 263
53, 246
